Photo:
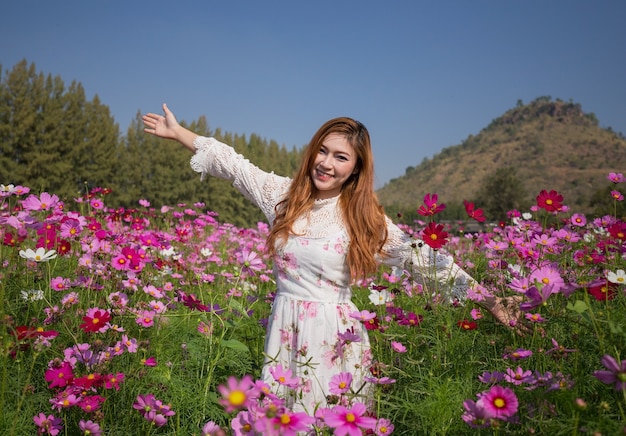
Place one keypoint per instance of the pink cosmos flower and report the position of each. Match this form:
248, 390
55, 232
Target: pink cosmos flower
615, 177
250, 261
363, 316
289, 423
45, 201
48, 424
70, 228
112, 381
340, 383
235, 393
59, 284
89, 428
500, 402
616, 195
518, 354
150, 361
616, 373
476, 314
284, 376
398, 347
578, 220
383, 427
518, 376
351, 421
146, 318
211, 429
534, 317
243, 424
476, 415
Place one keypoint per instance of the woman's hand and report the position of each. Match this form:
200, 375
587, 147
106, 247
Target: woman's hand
506, 311
161, 126
167, 127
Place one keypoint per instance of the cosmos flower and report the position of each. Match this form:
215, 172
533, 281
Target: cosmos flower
500, 402
430, 206
351, 421
615, 177
551, 201
615, 373
477, 214
41, 255
618, 277
340, 383
434, 235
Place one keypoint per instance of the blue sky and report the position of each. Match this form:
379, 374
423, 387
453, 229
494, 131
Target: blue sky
421, 75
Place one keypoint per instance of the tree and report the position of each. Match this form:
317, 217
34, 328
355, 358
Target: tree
501, 192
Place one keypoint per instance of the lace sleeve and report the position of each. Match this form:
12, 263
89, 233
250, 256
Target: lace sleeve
220, 160
434, 269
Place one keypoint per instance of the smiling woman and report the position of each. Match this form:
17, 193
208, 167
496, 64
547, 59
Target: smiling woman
328, 232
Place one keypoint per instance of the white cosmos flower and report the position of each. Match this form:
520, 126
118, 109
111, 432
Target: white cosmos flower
168, 252
32, 295
527, 216
380, 297
41, 255
618, 277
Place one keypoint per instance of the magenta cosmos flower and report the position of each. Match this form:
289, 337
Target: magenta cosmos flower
616, 373
499, 402
340, 383
350, 422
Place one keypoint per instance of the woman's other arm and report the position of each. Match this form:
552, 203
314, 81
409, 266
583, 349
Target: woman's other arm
167, 127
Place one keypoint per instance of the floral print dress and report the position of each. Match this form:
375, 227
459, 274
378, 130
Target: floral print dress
310, 331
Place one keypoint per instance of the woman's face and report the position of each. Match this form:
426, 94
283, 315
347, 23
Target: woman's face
333, 165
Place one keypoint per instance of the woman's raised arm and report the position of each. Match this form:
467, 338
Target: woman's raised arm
167, 127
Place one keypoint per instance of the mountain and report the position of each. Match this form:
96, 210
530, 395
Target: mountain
548, 144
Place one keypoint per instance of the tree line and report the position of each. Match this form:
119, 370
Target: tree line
52, 138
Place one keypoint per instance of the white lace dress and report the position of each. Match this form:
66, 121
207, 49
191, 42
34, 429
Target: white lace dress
310, 330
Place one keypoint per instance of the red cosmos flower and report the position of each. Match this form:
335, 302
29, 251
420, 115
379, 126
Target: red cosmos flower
467, 325
477, 214
551, 201
372, 324
603, 291
434, 235
618, 230
430, 206
24, 332
63, 247
95, 321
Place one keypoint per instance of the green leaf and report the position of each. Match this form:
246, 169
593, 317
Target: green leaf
235, 345
579, 306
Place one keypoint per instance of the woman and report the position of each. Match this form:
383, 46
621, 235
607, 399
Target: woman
328, 230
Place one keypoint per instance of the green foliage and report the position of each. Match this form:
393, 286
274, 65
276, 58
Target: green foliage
53, 138
552, 144
501, 192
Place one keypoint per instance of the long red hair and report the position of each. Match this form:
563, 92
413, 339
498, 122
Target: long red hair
362, 213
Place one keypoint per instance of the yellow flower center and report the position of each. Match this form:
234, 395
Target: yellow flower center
499, 403
236, 398
342, 385
350, 417
285, 419
433, 236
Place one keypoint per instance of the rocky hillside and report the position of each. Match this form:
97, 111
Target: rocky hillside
551, 145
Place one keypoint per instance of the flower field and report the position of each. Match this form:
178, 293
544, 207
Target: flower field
154, 320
